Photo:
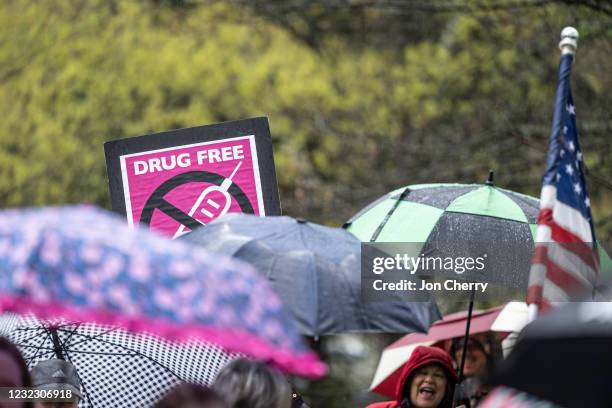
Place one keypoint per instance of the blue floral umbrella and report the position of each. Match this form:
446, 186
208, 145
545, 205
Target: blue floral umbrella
84, 264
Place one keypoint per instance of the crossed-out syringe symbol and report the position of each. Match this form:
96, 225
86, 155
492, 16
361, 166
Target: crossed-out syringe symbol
223, 188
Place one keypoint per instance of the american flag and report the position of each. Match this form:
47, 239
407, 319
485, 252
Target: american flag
565, 261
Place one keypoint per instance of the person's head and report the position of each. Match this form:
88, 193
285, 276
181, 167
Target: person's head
477, 357
249, 384
429, 379
13, 369
13, 372
191, 396
56, 374
428, 386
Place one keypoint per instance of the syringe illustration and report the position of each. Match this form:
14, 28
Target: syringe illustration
223, 188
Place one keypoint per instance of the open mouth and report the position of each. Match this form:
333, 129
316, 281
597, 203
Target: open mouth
426, 392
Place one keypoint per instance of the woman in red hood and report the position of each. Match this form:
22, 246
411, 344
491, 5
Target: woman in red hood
427, 381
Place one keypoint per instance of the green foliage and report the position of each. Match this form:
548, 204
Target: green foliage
350, 119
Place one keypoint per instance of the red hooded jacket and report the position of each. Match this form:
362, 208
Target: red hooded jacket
421, 356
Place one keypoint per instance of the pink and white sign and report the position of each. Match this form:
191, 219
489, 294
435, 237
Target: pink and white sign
176, 188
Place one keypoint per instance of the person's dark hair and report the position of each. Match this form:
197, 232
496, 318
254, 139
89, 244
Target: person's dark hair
11, 349
250, 384
184, 395
447, 399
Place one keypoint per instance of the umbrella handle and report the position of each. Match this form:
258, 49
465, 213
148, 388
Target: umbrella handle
465, 344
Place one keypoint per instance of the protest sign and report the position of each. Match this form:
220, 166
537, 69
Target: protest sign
179, 180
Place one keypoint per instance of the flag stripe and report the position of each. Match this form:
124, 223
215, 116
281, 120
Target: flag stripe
552, 291
573, 261
540, 255
572, 220
548, 196
559, 235
560, 277
543, 233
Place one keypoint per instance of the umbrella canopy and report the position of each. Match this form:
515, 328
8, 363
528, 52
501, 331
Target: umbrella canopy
85, 264
446, 217
564, 357
432, 210
115, 368
511, 317
316, 272
457, 220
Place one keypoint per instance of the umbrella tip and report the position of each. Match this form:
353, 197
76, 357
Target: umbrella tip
489, 181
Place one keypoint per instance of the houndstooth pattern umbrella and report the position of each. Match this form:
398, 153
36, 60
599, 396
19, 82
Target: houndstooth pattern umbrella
116, 368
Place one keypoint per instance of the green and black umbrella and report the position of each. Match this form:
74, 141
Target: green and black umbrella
418, 213
454, 220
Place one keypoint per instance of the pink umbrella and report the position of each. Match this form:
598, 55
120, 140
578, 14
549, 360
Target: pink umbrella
511, 317
84, 264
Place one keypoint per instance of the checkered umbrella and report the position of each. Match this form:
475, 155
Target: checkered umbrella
451, 221
115, 368
457, 219
426, 212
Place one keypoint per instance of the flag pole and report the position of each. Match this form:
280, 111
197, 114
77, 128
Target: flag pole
567, 45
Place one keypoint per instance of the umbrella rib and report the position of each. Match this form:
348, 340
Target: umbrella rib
389, 214
38, 350
65, 342
41, 345
40, 327
48, 332
44, 339
89, 337
26, 329
133, 352
37, 355
100, 353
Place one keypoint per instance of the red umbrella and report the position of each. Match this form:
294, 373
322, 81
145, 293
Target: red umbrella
507, 318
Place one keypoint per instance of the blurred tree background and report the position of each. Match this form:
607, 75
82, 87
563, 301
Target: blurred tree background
363, 96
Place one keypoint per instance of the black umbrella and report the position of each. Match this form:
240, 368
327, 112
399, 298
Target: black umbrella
316, 272
565, 357
115, 368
